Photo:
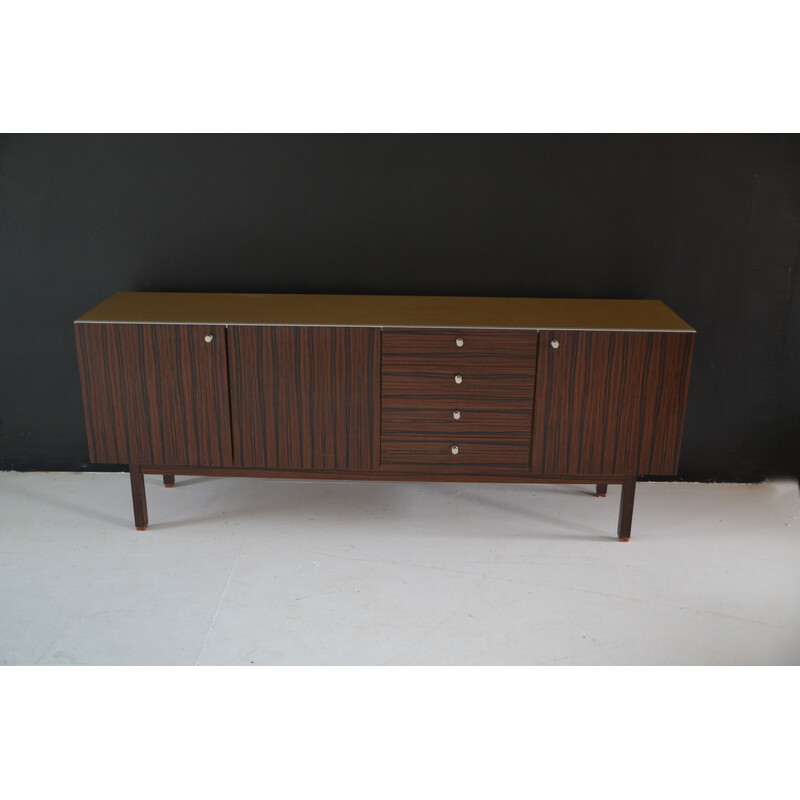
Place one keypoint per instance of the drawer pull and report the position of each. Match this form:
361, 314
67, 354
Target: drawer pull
454, 449
456, 415
458, 379
459, 342
554, 344
209, 337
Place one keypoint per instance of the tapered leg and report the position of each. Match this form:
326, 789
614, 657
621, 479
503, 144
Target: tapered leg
139, 498
602, 489
169, 481
626, 509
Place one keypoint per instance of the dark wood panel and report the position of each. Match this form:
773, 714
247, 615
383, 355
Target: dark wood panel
521, 402
470, 475
155, 393
667, 384
502, 351
304, 397
406, 389
610, 403
100, 364
476, 419
436, 451
494, 398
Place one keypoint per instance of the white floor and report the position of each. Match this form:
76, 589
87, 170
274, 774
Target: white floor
249, 571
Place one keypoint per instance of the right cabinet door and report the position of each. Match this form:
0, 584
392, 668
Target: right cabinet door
609, 403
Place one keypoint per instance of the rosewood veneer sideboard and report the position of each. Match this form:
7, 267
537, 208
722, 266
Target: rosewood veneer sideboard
385, 388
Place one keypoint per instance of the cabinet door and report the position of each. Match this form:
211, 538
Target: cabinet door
610, 403
155, 394
304, 397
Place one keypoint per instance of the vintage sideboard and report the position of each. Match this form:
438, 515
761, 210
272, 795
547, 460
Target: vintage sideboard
395, 388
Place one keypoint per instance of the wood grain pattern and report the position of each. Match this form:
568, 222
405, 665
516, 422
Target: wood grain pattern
482, 386
486, 418
103, 392
419, 368
472, 452
494, 400
304, 397
610, 403
155, 393
506, 351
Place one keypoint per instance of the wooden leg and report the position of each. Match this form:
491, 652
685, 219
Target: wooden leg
626, 509
602, 489
169, 481
139, 498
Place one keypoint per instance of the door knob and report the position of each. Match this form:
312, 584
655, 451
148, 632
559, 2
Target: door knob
209, 337
554, 344
454, 449
459, 342
456, 415
458, 379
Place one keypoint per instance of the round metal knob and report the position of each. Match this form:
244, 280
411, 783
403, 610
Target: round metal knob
209, 337
454, 449
456, 415
459, 342
554, 344
458, 379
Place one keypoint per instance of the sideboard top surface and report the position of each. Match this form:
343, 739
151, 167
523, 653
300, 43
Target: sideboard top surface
388, 311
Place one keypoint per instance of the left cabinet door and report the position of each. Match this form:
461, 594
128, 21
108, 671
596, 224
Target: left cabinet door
155, 394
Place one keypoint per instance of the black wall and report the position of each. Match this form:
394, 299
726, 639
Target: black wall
709, 224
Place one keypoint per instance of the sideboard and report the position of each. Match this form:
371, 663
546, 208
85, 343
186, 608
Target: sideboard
397, 388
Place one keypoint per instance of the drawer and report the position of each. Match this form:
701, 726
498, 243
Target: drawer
513, 421
438, 451
486, 386
407, 350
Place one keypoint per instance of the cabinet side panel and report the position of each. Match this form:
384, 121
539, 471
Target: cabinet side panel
609, 403
667, 382
303, 397
102, 386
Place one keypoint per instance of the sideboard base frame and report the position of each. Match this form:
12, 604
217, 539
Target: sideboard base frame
138, 471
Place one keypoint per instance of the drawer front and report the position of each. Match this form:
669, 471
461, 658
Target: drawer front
486, 388
458, 419
438, 451
472, 389
408, 351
